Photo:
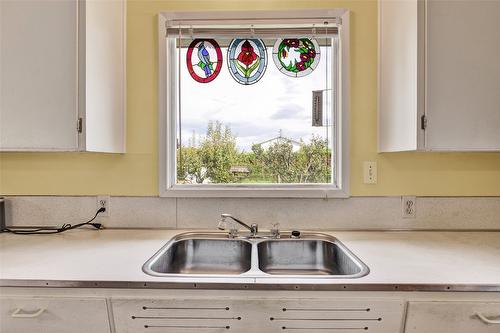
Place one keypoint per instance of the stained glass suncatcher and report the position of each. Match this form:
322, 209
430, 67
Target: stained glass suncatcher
247, 60
296, 57
204, 60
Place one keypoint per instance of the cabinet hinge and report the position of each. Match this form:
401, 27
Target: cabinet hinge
423, 122
79, 125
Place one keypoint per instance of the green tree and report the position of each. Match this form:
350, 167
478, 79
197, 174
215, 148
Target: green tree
213, 158
218, 152
278, 160
313, 161
310, 164
189, 165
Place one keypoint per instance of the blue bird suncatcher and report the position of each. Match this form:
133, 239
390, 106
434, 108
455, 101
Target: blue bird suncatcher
209, 62
204, 57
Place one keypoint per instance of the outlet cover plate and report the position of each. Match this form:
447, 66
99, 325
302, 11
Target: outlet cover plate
409, 207
103, 201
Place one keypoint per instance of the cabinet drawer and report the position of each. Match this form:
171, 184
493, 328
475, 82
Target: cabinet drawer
250, 315
453, 317
53, 315
175, 315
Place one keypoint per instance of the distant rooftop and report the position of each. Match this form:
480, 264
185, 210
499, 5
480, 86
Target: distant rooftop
239, 169
280, 137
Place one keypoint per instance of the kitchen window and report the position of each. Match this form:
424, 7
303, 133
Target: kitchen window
253, 104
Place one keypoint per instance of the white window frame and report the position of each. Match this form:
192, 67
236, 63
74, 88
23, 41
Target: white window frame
167, 105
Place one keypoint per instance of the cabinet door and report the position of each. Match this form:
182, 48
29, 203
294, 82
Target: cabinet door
250, 315
463, 75
104, 116
400, 75
38, 75
53, 315
452, 317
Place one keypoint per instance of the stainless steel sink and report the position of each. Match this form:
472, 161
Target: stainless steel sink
305, 257
314, 255
204, 256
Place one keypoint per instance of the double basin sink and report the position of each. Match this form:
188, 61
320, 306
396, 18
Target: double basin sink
218, 255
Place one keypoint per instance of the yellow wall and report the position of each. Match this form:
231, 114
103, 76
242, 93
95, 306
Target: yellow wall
136, 172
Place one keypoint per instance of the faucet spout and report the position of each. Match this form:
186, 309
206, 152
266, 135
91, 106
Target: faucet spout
253, 228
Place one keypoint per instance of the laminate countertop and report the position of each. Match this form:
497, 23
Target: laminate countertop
398, 260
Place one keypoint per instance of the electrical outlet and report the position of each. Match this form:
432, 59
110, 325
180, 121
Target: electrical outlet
409, 207
103, 201
370, 172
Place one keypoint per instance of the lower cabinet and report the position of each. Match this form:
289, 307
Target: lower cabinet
453, 317
100, 310
249, 315
53, 315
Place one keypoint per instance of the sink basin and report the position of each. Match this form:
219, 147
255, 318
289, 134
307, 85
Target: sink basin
314, 255
204, 256
305, 257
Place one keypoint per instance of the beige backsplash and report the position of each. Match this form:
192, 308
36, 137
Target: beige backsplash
184, 213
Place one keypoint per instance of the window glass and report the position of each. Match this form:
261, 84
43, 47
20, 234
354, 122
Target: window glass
251, 121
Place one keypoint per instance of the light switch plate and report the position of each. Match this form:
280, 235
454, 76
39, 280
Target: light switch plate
370, 172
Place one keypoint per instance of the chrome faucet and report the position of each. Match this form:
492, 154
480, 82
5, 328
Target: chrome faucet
254, 228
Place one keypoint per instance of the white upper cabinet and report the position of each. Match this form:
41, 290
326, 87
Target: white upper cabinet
38, 75
439, 75
104, 72
62, 76
463, 75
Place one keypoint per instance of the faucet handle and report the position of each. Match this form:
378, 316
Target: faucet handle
233, 231
222, 224
275, 230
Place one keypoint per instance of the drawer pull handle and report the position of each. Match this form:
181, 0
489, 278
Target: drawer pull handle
19, 313
487, 321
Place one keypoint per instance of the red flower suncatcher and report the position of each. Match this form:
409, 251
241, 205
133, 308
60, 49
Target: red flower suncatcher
247, 56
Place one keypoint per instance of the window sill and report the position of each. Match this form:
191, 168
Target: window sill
252, 191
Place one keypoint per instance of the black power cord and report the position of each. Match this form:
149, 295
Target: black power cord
52, 230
